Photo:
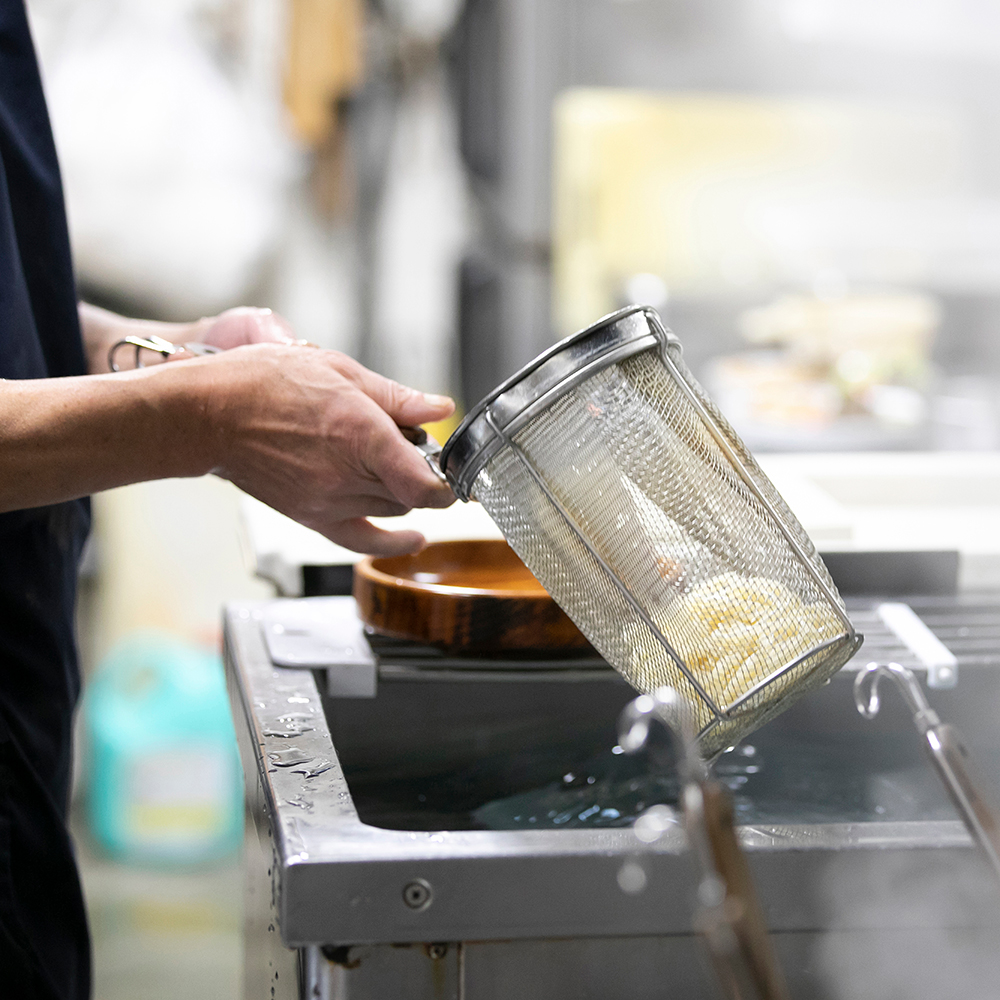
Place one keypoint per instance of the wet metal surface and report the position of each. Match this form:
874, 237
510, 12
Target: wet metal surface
339, 879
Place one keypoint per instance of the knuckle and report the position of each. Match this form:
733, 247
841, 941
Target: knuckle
406, 494
397, 394
370, 445
345, 366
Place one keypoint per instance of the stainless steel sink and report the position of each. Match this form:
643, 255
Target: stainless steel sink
373, 872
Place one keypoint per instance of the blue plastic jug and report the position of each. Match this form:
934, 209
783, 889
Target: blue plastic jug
164, 779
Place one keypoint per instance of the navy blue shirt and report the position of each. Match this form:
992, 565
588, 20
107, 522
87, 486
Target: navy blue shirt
39, 338
43, 941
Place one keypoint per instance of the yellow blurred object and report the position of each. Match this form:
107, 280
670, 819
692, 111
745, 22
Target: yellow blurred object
325, 39
716, 193
629, 167
441, 430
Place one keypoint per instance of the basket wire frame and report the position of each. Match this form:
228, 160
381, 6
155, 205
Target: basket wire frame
630, 496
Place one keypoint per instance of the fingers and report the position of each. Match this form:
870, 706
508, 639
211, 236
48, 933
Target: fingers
360, 535
406, 406
272, 328
246, 325
391, 459
370, 506
308, 432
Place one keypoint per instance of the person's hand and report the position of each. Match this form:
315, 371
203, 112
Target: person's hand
241, 326
310, 432
316, 435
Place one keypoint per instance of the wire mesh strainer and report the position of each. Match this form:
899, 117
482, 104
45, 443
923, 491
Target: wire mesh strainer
628, 495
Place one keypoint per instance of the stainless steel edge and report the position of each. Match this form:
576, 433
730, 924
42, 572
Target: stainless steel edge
522, 415
339, 881
492, 444
781, 671
396, 672
550, 375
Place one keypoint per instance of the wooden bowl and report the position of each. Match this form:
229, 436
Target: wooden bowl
474, 597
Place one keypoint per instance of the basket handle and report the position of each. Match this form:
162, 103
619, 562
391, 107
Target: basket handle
427, 447
946, 749
730, 916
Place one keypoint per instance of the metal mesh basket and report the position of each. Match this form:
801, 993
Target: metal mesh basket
631, 499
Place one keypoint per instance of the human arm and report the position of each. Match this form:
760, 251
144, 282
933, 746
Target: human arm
101, 329
310, 432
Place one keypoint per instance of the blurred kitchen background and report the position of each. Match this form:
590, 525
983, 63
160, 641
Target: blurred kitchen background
808, 191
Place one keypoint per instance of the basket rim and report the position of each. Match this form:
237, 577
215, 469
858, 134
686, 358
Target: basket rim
541, 382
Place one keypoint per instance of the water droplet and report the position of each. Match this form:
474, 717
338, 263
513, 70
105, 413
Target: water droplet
295, 700
653, 823
631, 878
289, 732
289, 757
312, 770
712, 891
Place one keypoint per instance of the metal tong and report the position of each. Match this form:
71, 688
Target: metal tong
946, 749
155, 344
730, 916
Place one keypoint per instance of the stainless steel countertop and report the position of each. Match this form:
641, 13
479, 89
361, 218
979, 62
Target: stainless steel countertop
338, 880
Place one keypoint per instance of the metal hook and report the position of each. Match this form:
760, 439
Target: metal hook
946, 749
667, 707
868, 702
730, 916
